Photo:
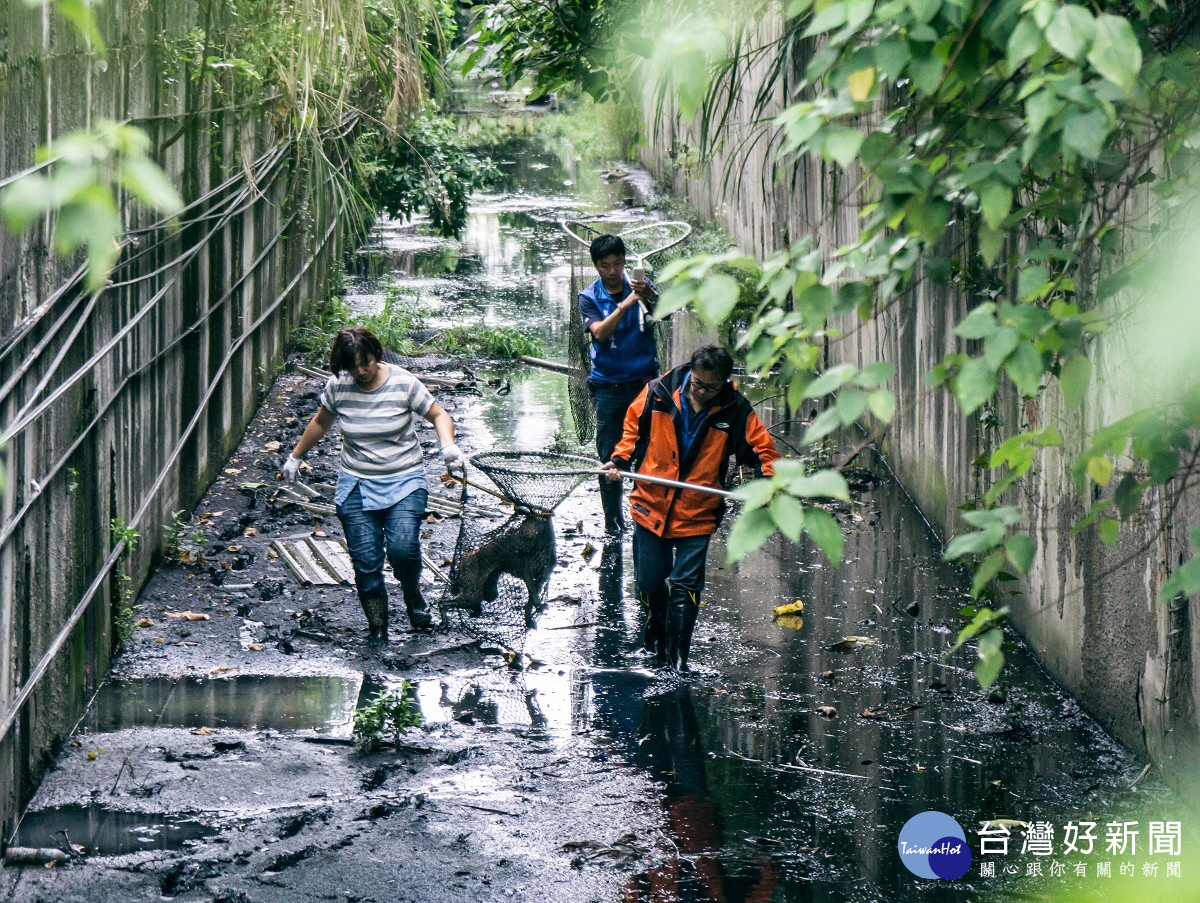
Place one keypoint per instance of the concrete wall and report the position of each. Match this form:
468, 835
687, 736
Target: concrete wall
1090, 612
136, 396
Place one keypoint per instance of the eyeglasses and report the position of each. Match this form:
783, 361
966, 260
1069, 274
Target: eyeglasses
706, 387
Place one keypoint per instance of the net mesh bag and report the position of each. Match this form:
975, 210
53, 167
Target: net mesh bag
498, 578
535, 481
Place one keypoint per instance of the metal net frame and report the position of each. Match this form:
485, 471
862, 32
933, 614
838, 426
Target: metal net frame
534, 481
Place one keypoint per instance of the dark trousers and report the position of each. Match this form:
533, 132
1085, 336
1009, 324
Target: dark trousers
611, 403
657, 560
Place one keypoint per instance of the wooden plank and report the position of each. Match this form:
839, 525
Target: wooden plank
304, 554
300, 574
335, 558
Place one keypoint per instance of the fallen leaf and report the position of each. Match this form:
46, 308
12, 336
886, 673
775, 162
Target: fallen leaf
850, 643
317, 531
792, 622
588, 550
271, 553
222, 670
289, 420
826, 711
272, 446
201, 732
878, 714
255, 647
186, 615
159, 639
233, 548
186, 643
250, 531
793, 608
764, 841
234, 471
143, 622
828, 675
92, 754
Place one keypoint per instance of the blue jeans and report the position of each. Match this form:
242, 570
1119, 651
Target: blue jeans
394, 532
656, 560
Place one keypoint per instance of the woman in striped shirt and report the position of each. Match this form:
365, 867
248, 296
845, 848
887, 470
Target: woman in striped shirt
381, 492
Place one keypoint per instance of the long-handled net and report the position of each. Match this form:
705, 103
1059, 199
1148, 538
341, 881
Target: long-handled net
641, 242
535, 481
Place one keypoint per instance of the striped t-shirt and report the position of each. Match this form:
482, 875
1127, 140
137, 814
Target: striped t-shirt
379, 435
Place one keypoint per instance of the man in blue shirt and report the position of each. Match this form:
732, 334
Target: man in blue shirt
616, 312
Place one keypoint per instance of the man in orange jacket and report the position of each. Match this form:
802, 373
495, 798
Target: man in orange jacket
683, 426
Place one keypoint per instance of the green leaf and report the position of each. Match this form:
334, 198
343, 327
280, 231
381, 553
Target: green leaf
755, 494
749, 532
831, 17
820, 484
1110, 531
841, 144
991, 243
825, 532
146, 181
1023, 43
826, 423
1115, 52
975, 543
1100, 469
1031, 282
987, 569
928, 217
999, 345
1074, 376
1087, 133
1024, 368
717, 298
995, 200
829, 381
1071, 31
979, 323
991, 658
974, 384
1128, 495
850, 405
1186, 579
788, 513
882, 404
677, 297
1020, 549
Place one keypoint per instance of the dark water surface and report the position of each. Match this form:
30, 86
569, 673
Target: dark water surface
766, 798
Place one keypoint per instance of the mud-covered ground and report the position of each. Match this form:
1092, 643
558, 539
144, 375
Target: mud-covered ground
475, 805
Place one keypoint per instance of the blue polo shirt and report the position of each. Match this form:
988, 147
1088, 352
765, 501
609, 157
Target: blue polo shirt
630, 354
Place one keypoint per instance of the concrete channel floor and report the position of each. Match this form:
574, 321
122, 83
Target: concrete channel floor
215, 764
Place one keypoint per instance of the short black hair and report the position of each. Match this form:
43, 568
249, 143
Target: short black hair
606, 246
713, 359
348, 344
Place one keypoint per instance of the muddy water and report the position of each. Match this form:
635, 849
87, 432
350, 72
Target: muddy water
787, 763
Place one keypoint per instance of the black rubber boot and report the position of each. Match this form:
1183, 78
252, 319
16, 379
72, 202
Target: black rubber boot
375, 607
681, 621
654, 637
611, 499
419, 614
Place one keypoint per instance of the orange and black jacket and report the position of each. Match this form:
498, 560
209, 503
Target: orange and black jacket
651, 441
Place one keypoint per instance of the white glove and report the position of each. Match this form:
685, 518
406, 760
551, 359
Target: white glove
291, 467
454, 458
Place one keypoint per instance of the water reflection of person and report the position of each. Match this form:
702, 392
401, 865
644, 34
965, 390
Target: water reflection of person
624, 354
662, 735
